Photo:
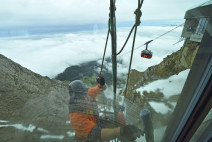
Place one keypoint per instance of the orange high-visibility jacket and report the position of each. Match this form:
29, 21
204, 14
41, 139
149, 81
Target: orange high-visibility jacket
83, 123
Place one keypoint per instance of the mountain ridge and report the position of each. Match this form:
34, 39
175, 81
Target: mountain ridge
28, 98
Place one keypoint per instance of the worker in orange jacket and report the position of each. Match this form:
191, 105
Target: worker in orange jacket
84, 116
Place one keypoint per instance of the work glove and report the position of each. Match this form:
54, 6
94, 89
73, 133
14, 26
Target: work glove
130, 132
101, 80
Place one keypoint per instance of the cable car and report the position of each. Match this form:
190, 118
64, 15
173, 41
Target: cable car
146, 53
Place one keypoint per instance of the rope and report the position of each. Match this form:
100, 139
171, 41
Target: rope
138, 14
103, 58
138, 17
137, 23
131, 59
127, 39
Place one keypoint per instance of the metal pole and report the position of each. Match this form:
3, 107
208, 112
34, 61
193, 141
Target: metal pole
114, 46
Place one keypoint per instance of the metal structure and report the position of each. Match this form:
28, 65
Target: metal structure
196, 22
114, 48
195, 100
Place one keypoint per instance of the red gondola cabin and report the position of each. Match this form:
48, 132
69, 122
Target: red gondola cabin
146, 54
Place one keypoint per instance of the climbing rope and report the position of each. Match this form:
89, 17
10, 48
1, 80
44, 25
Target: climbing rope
126, 40
137, 23
138, 14
103, 58
112, 31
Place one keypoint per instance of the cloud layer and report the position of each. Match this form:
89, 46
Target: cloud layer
50, 54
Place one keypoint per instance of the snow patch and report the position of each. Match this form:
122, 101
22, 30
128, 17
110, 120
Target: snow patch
42, 130
160, 107
3, 121
60, 137
169, 87
30, 128
70, 134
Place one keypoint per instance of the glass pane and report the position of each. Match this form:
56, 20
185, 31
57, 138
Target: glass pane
46, 45
202, 25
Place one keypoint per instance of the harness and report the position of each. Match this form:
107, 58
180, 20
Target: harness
83, 104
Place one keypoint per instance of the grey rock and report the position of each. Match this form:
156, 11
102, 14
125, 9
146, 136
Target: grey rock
29, 98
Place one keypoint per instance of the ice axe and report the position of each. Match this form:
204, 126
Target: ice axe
146, 119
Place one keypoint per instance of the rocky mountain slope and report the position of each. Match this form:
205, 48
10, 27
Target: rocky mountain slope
89, 71
27, 98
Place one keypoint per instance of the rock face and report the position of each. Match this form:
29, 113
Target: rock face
84, 71
28, 98
172, 64
89, 71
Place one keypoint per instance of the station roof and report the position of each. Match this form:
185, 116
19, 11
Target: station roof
200, 11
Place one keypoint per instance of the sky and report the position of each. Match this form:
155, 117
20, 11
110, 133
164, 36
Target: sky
26, 13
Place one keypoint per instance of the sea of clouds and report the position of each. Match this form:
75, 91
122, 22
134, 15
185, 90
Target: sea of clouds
50, 54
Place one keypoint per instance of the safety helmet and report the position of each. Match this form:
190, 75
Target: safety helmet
77, 87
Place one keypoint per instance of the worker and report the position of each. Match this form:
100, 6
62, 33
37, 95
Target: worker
83, 113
